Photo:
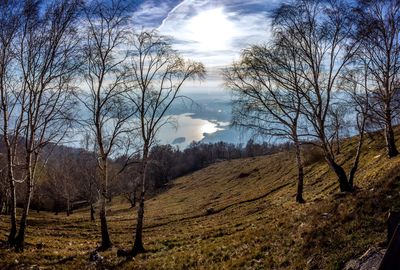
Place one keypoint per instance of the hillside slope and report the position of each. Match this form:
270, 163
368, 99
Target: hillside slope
236, 214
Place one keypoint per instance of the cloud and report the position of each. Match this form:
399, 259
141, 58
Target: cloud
212, 32
150, 13
215, 32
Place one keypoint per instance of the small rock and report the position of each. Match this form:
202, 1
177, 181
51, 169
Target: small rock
210, 211
326, 215
95, 257
370, 260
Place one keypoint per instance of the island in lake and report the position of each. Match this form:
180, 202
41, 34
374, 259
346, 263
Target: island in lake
179, 140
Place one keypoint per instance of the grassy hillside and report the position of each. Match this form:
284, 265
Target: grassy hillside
236, 214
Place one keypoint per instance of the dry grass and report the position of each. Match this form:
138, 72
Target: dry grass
255, 223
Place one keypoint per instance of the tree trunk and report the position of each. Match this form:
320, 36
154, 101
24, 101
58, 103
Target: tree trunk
10, 176
132, 197
337, 143
357, 157
10, 163
91, 212
1, 204
68, 206
7, 206
20, 239
132, 200
390, 138
12, 208
341, 174
354, 170
105, 236
138, 245
300, 173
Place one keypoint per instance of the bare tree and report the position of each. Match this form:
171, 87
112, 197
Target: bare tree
355, 85
10, 21
338, 112
157, 74
90, 183
106, 30
4, 186
162, 161
321, 32
131, 188
62, 178
379, 31
266, 85
48, 60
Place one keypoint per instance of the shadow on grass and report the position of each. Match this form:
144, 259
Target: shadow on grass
345, 227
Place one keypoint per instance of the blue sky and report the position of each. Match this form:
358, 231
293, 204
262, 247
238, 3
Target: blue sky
211, 31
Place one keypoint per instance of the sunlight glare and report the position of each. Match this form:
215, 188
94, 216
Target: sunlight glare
212, 29
208, 128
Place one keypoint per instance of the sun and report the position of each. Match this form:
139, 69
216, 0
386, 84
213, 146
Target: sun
208, 128
211, 29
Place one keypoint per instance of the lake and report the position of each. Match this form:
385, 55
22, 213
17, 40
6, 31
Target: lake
184, 129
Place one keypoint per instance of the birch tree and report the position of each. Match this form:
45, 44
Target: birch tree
321, 33
104, 76
355, 84
157, 74
379, 31
10, 21
47, 61
266, 85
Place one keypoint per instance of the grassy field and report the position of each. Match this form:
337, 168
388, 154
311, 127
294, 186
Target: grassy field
236, 214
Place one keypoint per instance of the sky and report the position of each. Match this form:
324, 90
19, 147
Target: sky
210, 31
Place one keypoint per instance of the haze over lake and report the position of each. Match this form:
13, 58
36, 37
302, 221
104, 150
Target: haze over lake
200, 117
205, 120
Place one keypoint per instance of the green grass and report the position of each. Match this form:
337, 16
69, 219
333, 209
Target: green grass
255, 223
